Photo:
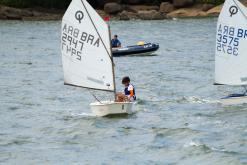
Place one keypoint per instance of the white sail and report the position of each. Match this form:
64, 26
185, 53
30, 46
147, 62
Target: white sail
231, 45
86, 49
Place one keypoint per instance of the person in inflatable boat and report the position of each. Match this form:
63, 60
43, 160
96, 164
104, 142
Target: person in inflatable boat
115, 42
129, 91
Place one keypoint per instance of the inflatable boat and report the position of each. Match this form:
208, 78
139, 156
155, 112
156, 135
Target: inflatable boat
144, 49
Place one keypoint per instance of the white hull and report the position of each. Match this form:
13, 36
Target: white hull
106, 108
234, 100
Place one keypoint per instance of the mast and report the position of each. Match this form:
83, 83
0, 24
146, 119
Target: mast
112, 62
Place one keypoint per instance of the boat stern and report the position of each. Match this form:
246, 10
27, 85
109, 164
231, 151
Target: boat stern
106, 108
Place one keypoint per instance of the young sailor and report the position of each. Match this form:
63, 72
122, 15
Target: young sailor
129, 91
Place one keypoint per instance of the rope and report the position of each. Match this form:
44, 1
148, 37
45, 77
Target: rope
94, 96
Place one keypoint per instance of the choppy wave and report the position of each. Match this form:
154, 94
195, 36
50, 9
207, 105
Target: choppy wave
55, 121
193, 144
180, 100
208, 148
83, 114
196, 100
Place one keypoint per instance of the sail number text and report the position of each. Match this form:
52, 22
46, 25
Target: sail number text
228, 39
74, 41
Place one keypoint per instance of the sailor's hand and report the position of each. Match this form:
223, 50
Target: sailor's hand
126, 99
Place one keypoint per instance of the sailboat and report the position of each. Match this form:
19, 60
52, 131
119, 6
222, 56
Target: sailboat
87, 56
231, 50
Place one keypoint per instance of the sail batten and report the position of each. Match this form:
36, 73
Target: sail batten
86, 48
231, 45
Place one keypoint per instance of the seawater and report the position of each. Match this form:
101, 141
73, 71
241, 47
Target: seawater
178, 119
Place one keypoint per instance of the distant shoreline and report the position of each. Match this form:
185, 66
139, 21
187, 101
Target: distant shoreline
135, 12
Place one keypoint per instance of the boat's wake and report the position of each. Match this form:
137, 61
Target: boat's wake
196, 100
83, 114
182, 100
206, 147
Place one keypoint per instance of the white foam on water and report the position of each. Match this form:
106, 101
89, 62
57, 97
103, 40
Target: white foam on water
192, 143
217, 149
83, 114
198, 100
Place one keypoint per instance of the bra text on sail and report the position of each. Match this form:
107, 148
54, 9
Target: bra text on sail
73, 41
228, 39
